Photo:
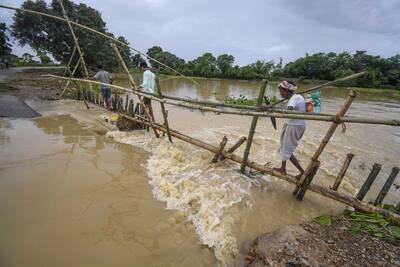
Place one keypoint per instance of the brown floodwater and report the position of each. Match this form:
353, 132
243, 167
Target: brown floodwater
76, 192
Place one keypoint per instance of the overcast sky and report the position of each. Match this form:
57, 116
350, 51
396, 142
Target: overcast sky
253, 29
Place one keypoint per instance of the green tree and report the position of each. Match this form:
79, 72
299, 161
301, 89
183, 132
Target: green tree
54, 37
5, 46
136, 60
44, 58
165, 57
224, 64
27, 58
156, 53
204, 66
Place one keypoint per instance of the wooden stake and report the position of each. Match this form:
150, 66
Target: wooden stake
160, 95
324, 142
342, 171
132, 82
72, 75
338, 196
308, 180
385, 189
220, 149
235, 146
376, 168
253, 127
67, 67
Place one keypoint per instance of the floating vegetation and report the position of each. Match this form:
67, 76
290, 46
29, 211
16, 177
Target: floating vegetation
244, 101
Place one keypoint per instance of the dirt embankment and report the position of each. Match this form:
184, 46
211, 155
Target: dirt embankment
312, 244
29, 84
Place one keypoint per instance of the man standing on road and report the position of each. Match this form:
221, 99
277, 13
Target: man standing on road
104, 77
148, 85
293, 129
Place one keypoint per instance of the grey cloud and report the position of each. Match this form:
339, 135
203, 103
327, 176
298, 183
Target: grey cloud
257, 29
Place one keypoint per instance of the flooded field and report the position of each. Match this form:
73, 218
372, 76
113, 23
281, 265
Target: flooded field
75, 192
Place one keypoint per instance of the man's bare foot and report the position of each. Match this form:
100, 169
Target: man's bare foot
280, 170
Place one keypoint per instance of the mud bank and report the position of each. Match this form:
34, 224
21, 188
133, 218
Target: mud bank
312, 244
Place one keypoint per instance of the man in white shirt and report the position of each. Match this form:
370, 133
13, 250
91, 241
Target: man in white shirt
148, 85
293, 129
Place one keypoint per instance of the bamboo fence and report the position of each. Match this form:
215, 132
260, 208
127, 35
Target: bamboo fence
131, 113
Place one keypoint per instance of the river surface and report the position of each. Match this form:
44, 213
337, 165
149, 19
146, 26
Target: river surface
76, 192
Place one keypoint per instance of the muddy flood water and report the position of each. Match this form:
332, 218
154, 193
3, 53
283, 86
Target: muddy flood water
76, 192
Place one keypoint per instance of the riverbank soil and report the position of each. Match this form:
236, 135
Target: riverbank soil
25, 83
312, 244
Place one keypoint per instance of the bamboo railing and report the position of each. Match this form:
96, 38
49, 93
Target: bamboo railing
219, 151
165, 100
302, 185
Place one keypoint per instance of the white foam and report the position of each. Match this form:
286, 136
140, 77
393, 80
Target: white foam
181, 175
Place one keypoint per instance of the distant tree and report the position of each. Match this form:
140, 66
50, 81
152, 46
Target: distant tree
27, 58
166, 58
136, 60
224, 64
204, 65
44, 58
155, 52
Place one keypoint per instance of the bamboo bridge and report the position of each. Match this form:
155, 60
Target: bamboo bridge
139, 114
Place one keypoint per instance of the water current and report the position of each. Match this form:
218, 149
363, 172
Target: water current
74, 191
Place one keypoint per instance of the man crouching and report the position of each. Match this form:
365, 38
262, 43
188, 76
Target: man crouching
293, 129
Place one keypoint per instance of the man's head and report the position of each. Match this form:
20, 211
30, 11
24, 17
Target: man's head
287, 88
100, 67
143, 66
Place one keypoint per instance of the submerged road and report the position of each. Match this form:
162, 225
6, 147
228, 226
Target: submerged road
12, 106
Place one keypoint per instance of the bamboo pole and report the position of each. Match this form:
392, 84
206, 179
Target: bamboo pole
338, 196
70, 61
376, 168
308, 180
220, 149
352, 76
132, 82
72, 75
385, 189
101, 34
342, 171
331, 118
235, 146
160, 95
253, 127
324, 142
78, 48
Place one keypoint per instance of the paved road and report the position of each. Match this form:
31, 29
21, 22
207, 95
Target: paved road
11, 106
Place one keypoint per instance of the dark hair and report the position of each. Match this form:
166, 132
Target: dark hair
99, 66
143, 64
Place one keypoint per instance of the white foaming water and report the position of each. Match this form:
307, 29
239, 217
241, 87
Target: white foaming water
181, 175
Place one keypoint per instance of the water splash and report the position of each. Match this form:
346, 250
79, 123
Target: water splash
182, 176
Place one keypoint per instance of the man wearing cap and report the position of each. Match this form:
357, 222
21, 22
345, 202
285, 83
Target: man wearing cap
293, 129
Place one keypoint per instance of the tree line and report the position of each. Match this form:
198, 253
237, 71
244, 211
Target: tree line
51, 37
